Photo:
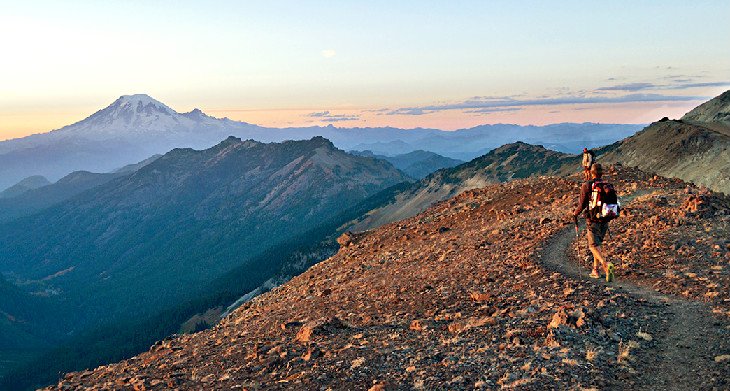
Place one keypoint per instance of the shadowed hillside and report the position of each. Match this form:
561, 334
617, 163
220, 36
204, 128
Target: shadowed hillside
695, 148
511, 161
416, 164
147, 242
23, 186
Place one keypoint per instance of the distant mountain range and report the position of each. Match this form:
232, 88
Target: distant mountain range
695, 149
416, 164
148, 241
29, 183
511, 161
135, 127
34, 194
176, 238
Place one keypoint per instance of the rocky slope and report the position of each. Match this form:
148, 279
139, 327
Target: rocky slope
511, 161
695, 149
714, 110
456, 297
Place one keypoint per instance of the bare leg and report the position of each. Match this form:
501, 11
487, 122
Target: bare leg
598, 257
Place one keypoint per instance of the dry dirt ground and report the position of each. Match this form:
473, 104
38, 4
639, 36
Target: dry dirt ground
686, 336
482, 291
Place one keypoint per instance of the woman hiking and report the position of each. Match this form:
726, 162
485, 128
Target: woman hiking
598, 200
588, 159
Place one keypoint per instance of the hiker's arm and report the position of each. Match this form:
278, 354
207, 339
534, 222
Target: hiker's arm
583, 203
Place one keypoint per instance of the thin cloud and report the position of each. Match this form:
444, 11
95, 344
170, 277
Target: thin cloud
410, 111
676, 84
478, 104
491, 110
381, 111
327, 116
682, 76
700, 85
629, 87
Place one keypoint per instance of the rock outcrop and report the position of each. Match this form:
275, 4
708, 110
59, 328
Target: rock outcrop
714, 110
695, 148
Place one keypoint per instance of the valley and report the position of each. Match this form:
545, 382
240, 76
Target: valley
191, 230
435, 274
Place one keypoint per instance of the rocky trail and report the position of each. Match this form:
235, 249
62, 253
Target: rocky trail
687, 336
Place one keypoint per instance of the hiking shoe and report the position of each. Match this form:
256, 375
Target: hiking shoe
594, 274
609, 272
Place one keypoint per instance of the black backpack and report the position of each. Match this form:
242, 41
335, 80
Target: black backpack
604, 204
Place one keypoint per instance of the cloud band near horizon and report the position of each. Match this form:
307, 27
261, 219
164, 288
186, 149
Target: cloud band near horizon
488, 104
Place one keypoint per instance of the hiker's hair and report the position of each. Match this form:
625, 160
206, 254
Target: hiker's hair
597, 170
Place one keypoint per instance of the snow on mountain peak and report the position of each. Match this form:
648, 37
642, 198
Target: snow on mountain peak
196, 114
137, 114
139, 102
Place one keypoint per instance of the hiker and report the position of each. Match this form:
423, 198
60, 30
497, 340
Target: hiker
588, 159
598, 200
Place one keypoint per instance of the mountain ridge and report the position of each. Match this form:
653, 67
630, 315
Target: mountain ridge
510, 161
29, 183
135, 127
199, 214
716, 109
695, 148
416, 164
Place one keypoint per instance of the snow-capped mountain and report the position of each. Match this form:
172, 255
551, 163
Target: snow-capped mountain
140, 114
131, 129
137, 115
135, 127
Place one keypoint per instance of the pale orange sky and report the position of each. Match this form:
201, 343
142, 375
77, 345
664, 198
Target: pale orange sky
30, 121
278, 63
630, 113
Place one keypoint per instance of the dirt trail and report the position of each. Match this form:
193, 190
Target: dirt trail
690, 336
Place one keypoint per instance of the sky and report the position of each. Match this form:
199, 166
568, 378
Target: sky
436, 64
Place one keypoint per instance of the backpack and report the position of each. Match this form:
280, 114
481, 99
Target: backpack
604, 205
588, 159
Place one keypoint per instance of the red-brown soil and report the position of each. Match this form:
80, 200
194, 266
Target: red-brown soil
480, 291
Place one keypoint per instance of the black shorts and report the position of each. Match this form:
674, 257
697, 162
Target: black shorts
596, 232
